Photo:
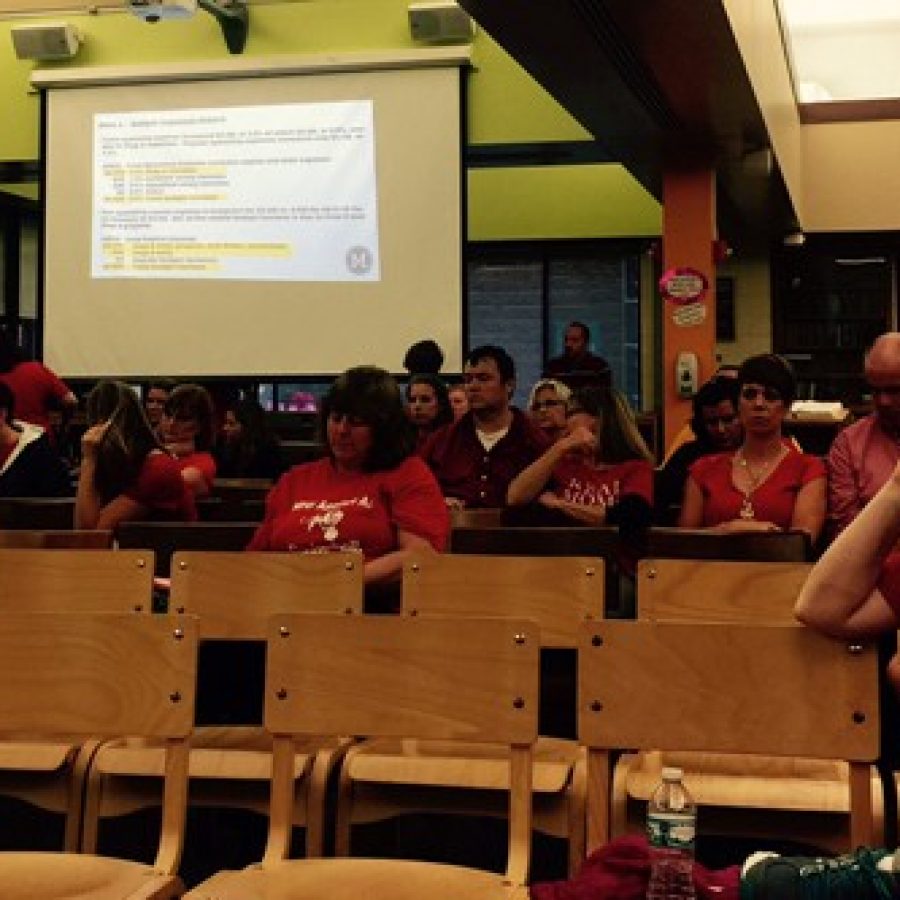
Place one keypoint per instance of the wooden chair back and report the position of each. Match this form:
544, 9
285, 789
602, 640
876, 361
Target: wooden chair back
546, 541
234, 594
536, 541
463, 517
56, 540
710, 591
37, 512
716, 687
106, 674
164, 538
558, 593
759, 546
416, 677
90, 580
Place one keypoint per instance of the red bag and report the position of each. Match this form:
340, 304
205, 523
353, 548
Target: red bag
621, 870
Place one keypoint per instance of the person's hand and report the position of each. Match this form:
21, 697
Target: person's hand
580, 440
550, 500
454, 503
736, 525
90, 440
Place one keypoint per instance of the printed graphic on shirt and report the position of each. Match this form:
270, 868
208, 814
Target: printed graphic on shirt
589, 494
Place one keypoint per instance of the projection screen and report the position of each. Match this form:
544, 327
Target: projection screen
293, 224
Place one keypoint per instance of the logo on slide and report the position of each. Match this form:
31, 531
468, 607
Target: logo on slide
359, 260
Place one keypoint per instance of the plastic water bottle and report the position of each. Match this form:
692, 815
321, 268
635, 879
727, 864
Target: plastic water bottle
671, 825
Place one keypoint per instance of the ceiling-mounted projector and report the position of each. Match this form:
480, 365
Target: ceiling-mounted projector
160, 10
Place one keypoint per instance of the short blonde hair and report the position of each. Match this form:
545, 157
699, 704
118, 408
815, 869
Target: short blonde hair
563, 391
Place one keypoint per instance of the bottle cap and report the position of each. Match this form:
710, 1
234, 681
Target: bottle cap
672, 773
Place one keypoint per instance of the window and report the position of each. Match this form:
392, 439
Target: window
523, 296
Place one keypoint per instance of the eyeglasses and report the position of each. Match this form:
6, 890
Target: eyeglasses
545, 404
751, 392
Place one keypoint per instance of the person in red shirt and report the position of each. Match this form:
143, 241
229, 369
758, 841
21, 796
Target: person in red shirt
476, 457
600, 472
125, 475
766, 484
189, 432
369, 493
37, 390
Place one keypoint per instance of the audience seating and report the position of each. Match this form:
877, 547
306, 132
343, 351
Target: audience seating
164, 538
101, 674
439, 679
689, 543
796, 795
56, 540
37, 512
386, 778
233, 595
50, 774
545, 541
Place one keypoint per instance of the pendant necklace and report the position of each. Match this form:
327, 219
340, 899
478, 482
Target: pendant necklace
746, 511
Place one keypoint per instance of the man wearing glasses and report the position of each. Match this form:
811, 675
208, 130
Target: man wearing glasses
863, 456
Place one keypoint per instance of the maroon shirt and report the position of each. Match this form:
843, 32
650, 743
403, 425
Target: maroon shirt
476, 476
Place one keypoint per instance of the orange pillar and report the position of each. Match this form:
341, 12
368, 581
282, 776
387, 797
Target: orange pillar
689, 229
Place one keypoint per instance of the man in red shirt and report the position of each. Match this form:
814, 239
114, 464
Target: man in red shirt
475, 458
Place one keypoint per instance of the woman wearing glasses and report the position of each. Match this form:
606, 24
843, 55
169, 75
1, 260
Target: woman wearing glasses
547, 405
765, 484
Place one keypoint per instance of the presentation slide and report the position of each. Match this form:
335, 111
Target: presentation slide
269, 192
260, 226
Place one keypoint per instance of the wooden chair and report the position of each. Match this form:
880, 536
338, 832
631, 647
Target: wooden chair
441, 679
385, 778
50, 774
101, 674
759, 546
777, 690
37, 512
802, 797
545, 541
233, 595
165, 538
56, 540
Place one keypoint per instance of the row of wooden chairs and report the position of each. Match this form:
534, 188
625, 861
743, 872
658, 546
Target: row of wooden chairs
445, 678
560, 594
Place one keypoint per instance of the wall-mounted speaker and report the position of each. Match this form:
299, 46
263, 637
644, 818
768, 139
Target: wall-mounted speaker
439, 21
50, 41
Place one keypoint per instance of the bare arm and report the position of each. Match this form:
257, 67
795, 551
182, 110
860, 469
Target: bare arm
691, 515
840, 596
89, 509
196, 481
588, 513
809, 509
389, 567
532, 480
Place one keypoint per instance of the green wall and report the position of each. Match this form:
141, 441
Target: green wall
505, 105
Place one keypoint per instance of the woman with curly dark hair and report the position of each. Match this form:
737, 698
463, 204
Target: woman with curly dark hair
125, 474
369, 493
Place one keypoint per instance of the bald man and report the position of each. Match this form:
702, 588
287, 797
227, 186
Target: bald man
863, 456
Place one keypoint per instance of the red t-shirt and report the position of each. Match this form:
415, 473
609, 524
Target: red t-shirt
161, 489
204, 462
34, 388
316, 507
774, 499
576, 481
